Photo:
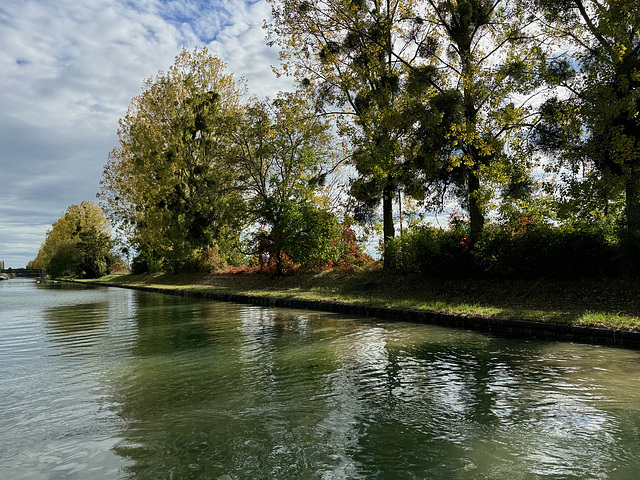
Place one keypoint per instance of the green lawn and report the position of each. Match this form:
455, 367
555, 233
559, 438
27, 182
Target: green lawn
609, 303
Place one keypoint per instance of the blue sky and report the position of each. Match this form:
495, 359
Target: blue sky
68, 71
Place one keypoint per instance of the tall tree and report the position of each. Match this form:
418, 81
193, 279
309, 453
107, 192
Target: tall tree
594, 121
432, 85
169, 185
488, 55
347, 52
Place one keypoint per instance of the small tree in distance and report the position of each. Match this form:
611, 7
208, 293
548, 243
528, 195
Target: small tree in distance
78, 245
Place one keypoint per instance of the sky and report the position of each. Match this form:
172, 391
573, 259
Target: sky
68, 72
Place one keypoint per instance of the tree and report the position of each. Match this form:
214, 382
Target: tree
432, 86
285, 153
169, 186
487, 54
594, 121
79, 244
344, 52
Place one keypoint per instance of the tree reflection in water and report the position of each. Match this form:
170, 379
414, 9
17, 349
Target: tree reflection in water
220, 389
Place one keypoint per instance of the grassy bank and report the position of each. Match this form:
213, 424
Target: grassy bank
611, 303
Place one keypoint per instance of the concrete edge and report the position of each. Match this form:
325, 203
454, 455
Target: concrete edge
509, 327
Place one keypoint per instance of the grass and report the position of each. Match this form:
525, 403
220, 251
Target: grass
602, 303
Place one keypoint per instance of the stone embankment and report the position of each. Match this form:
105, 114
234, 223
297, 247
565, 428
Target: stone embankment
507, 327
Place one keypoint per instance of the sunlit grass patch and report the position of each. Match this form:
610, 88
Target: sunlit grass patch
614, 320
580, 303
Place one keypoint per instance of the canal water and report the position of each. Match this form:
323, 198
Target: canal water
109, 383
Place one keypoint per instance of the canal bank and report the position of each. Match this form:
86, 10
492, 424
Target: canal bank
513, 326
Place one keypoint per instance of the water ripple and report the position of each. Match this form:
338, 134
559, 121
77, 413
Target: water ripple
122, 384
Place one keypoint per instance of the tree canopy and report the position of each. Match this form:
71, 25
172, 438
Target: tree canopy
450, 103
345, 54
79, 244
170, 186
431, 87
285, 152
200, 166
592, 123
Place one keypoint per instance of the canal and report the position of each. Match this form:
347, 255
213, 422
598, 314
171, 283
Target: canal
110, 383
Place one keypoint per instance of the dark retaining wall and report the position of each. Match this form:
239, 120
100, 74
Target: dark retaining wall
512, 328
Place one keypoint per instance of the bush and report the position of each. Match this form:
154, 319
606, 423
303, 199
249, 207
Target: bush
629, 254
210, 261
547, 251
517, 251
65, 260
300, 235
118, 268
144, 263
347, 251
433, 252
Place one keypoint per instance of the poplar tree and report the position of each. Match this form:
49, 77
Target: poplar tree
169, 185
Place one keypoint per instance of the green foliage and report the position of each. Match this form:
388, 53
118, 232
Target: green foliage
64, 261
492, 59
145, 263
169, 186
346, 54
96, 257
302, 234
429, 102
544, 251
348, 252
595, 128
434, 251
526, 249
211, 261
78, 244
285, 153
429, 88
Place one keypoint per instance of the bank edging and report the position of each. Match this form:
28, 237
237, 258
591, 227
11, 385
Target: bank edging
511, 327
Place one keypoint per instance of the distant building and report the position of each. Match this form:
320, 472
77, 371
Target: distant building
1, 265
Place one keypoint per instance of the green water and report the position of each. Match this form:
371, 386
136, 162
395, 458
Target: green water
109, 383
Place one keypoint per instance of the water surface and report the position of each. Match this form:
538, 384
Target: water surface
111, 383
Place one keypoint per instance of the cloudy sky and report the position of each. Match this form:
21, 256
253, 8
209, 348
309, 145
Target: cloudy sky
68, 71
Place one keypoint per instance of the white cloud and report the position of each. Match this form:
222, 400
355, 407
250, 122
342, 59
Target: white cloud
243, 46
68, 71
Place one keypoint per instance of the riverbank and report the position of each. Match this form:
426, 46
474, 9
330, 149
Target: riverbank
603, 311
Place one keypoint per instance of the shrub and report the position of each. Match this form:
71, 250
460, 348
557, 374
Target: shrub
347, 251
526, 250
145, 263
118, 268
546, 251
65, 260
210, 260
433, 251
300, 235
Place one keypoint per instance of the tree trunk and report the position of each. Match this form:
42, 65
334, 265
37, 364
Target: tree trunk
388, 230
632, 204
476, 218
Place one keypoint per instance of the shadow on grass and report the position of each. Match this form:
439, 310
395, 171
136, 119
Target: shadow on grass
605, 303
